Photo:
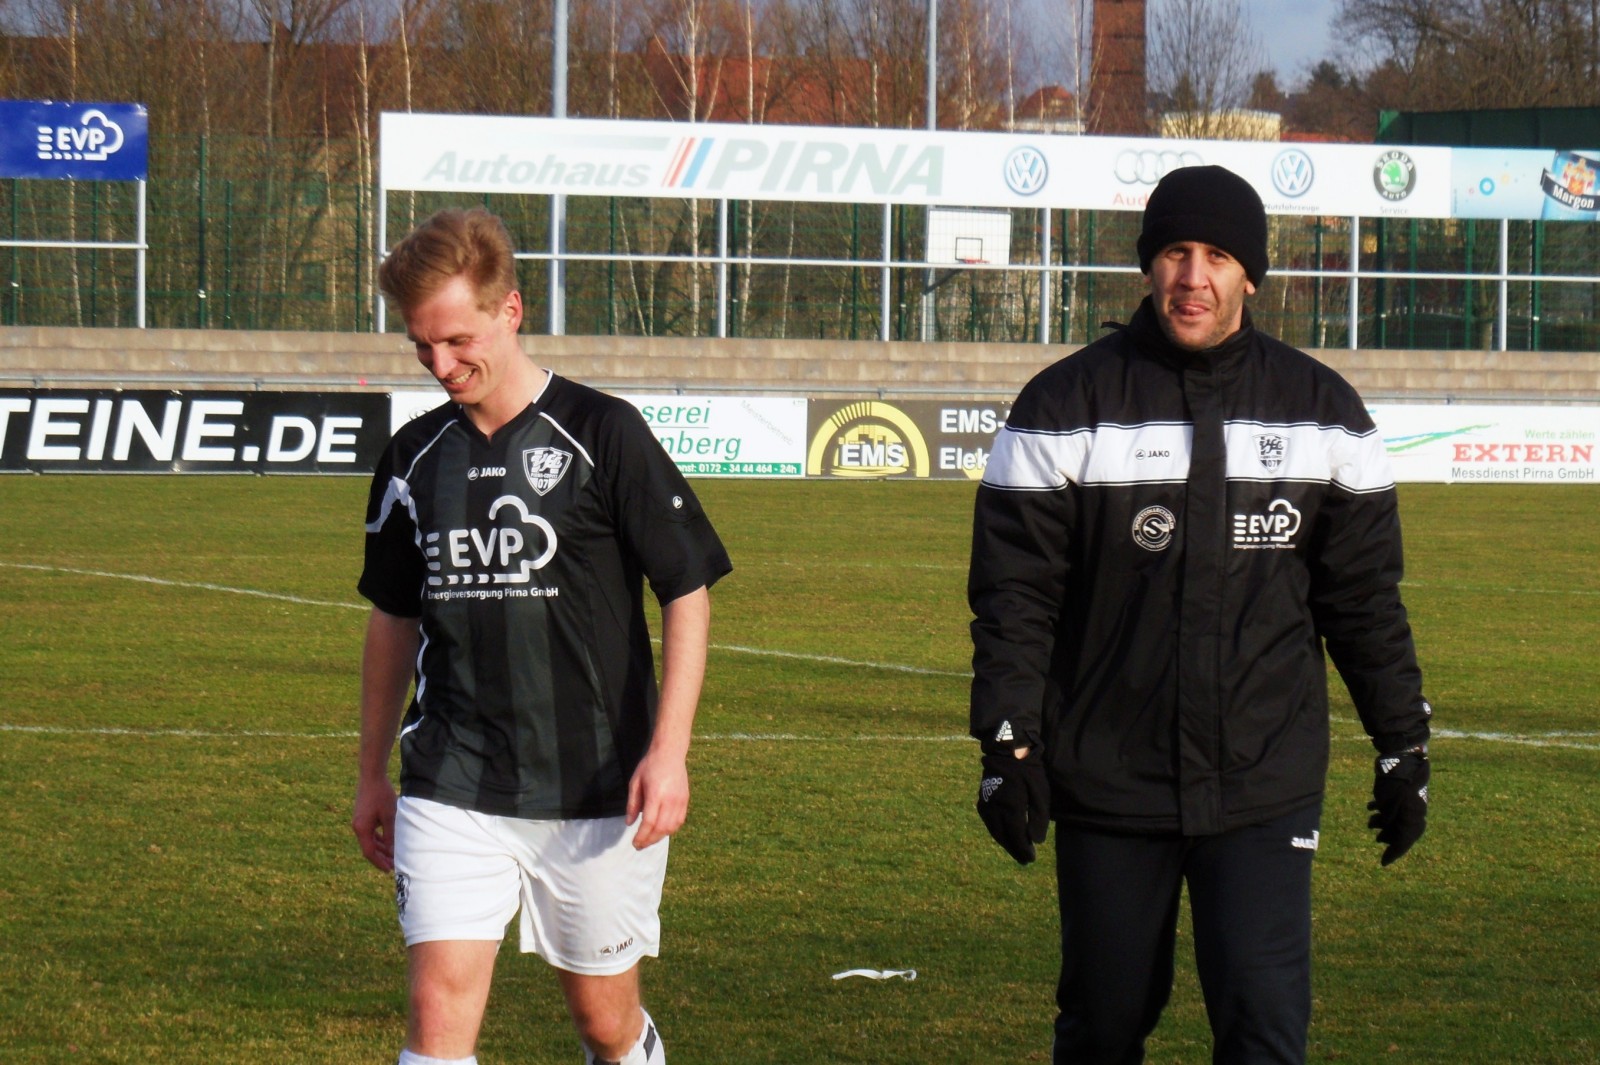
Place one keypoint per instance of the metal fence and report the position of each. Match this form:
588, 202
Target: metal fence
251, 234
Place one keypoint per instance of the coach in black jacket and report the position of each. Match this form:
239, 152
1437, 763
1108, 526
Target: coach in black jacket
1172, 525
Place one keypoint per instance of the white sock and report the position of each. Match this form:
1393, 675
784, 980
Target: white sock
647, 1051
407, 1057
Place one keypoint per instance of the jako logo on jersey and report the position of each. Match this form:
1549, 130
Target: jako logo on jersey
1271, 449
545, 466
1152, 453
485, 471
1274, 529
1153, 528
496, 554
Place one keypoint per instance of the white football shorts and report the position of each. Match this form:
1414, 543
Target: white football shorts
590, 902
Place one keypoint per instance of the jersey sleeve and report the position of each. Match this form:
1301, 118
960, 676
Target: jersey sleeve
1356, 567
1017, 581
393, 571
658, 515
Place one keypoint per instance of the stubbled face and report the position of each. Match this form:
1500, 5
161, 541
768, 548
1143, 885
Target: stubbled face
1198, 292
473, 353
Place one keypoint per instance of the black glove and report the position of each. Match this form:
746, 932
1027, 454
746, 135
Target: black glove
1014, 801
1400, 797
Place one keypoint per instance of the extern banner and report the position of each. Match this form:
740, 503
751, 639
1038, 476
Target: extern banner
83, 141
1491, 444
115, 431
475, 154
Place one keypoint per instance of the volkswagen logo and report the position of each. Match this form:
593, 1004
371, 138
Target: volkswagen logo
1292, 173
1148, 166
1026, 171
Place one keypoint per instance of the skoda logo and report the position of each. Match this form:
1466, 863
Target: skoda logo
1292, 173
1026, 171
1394, 175
1148, 166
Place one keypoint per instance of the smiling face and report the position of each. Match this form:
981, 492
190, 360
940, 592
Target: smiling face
1198, 293
472, 351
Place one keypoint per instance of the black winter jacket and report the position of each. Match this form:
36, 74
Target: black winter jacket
1163, 541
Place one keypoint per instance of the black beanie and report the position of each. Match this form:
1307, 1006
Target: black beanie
1213, 206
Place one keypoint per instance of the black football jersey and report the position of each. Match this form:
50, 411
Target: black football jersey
525, 557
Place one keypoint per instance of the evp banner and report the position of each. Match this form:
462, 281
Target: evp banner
89, 142
111, 431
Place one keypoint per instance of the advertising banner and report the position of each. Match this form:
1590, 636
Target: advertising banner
707, 436
472, 154
729, 436
114, 431
904, 439
1526, 183
89, 142
1482, 444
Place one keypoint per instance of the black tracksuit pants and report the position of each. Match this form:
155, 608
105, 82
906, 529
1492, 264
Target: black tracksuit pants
1250, 899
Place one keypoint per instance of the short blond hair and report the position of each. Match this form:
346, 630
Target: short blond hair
473, 243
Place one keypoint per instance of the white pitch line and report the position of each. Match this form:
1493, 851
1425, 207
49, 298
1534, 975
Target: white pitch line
201, 586
182, 733
1556, 739
141, 579
1448, 587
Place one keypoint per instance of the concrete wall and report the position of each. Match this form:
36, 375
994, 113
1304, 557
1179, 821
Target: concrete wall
175, 358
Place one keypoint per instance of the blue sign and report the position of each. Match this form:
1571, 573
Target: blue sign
89, 142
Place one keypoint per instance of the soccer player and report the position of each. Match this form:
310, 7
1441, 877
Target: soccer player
1174, 522
510, 533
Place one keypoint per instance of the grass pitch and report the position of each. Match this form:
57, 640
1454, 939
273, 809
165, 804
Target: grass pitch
177, 711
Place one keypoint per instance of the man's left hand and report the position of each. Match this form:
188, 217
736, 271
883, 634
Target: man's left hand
1400, 799
658, 797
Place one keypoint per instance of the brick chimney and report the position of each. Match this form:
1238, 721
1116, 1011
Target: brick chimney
1116, 72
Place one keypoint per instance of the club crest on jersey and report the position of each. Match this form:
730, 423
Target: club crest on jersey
1153, 528
545, 466
1271, 449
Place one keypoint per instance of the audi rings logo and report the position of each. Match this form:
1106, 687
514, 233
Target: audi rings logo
1153, 528
1148, 166
1026, 171
1292, 173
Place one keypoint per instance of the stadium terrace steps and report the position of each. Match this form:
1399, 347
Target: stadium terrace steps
237, 359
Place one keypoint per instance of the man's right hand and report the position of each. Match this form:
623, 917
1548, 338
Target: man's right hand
373, 821
1014, 801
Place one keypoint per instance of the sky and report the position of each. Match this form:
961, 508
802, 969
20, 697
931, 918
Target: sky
1295, 33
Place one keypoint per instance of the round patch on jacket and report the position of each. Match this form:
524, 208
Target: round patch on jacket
1153, 528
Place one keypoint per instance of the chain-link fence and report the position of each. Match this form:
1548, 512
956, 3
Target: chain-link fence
246, 233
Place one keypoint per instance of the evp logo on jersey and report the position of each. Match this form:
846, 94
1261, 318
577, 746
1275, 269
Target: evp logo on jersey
545, 466
1274, 530
499, 553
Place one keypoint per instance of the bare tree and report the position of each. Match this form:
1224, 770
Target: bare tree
1203, 58
1480, 53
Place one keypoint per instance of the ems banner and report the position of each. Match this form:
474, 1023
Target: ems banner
117, 431
902, 439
